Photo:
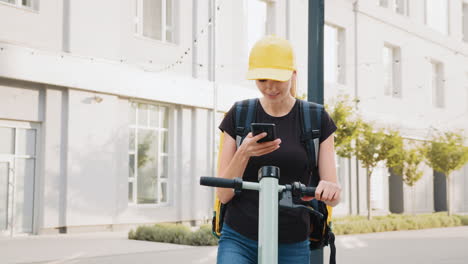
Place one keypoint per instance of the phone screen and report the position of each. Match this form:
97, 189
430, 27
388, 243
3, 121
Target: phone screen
269, 128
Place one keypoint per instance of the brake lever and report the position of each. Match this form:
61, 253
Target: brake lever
287, 201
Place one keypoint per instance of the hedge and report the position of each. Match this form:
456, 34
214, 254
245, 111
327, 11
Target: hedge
181, 234
175, 233
395, 222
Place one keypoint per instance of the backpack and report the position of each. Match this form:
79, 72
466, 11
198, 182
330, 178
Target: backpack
311, 115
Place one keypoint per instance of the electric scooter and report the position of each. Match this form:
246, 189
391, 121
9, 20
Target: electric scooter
271, 194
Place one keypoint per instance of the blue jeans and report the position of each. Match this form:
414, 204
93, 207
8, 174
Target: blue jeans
235, 248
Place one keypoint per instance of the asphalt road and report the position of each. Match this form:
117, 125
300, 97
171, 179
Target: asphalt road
444, 245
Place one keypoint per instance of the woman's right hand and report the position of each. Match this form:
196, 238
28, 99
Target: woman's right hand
250, 147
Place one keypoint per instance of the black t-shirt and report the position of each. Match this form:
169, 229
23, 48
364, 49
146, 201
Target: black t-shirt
291, 158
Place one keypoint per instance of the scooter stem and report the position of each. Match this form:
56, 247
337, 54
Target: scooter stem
268, 215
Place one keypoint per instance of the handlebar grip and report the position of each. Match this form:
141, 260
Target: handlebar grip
218, 182
309, 191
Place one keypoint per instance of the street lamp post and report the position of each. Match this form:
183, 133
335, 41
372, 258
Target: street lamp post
315, 73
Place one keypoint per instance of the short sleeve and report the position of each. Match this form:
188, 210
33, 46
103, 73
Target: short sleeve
328, 126
228, 124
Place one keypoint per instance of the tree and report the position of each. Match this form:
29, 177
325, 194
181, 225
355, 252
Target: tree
403, 160
343, 114
412, 173
446, 153
370, 149
393, 148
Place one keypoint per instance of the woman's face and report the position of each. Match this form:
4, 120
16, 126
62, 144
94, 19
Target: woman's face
275, 90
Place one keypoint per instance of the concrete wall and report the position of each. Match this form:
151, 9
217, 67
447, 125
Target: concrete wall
20, 100
96, 157
52, 182
36, 29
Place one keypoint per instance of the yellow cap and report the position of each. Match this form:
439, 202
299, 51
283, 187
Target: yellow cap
271, 58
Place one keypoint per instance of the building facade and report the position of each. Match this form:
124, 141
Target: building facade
107, 108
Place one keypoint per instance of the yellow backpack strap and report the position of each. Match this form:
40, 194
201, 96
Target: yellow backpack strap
330, 211
244, 116
217, 207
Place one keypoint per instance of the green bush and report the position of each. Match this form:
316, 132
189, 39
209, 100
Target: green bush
463, 219
174, 233
394, 222
180, 234
202, 237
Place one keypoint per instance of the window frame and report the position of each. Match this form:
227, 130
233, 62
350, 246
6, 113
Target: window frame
19, 4
395, 90
437, 83
405, 6
14, 157
383, 3
165, 28
447, 18
378, 187
251, 25
393, 6
465, 22
340, 52
160, 130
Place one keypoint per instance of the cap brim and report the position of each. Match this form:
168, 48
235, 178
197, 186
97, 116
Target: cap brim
269, 74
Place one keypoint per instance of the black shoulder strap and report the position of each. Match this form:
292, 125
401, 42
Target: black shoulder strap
331, 241
245, 115
311, 116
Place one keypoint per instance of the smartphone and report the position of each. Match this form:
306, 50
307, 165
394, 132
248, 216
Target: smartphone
269, 128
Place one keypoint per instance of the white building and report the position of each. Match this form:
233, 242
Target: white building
407, 61
106, 107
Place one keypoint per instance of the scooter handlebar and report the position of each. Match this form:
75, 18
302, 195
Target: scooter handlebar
236, 183
219, 182
309, 191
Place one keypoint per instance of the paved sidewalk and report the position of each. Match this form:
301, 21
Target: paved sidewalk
70, 248
440, 245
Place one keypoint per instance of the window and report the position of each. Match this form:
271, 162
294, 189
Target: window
436, 15
383, 3
465, 22
17, 178
29, 4
466, 89
334, 58
397, 6
392, 70
256, 21
437, 74
148, 154
341, 172
401, 7
377, 192
155, 19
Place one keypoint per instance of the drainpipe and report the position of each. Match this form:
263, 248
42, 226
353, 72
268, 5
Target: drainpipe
212, 74
194, 37
356, 94
287, 31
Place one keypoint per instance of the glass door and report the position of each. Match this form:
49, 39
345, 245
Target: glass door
17, 179
6, 192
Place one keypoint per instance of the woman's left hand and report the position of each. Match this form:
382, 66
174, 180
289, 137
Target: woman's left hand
326, 191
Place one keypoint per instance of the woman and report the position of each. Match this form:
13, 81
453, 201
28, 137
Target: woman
271, 65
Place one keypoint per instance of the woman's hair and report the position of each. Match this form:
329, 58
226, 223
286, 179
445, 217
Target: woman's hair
293, 90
